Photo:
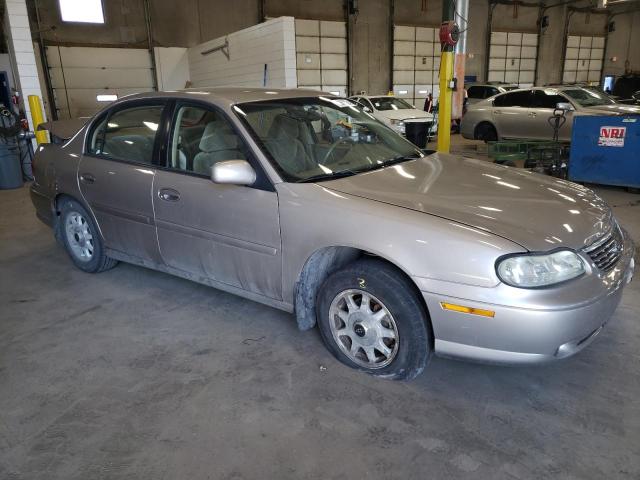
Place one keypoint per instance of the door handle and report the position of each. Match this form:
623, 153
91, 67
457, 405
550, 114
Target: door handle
532, 114
87, 178
498, 112
169, 194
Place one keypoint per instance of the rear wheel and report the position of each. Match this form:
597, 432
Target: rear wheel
81, 239
371, 319
486, 132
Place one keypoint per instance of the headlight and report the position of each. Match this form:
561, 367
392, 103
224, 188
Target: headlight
530, 271
399, 124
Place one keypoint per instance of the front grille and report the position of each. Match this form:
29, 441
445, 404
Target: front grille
606, 252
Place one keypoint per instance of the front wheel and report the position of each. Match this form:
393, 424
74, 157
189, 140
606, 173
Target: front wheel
371, 319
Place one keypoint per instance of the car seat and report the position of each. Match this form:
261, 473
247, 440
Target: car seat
218, 143
283, 141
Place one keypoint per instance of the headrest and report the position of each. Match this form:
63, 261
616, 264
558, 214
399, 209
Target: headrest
284, 125
217, 136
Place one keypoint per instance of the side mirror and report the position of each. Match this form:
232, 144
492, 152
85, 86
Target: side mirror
366, 109
566, 106
233, 172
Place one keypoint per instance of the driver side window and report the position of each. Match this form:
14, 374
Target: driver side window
201, 138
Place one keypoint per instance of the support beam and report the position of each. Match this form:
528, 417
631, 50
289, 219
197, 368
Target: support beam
446, 76
462, 15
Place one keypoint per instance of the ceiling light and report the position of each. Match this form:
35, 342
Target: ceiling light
106, 98
82, 11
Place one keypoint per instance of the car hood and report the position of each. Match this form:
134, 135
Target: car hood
537, 212
617, 109
413, 113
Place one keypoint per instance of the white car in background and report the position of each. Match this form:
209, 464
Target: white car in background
395, 112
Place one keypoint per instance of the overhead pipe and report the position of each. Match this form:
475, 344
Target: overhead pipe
462, 15
45, 66
487, 48
154, 68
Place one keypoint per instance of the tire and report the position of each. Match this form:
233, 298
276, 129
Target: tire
82, 240
486, 132
357, 337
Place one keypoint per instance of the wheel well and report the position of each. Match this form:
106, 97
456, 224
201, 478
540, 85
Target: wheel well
484, 122
57, 202
323, 263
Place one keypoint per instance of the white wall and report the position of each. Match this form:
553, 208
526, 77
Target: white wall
172, 67
272, 43
21, 51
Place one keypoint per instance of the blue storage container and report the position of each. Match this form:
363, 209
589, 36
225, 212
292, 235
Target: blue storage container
606, 150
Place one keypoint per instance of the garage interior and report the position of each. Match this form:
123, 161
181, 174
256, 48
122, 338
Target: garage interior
134, 373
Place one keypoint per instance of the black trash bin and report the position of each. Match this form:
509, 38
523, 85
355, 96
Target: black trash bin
10, 168
416, 133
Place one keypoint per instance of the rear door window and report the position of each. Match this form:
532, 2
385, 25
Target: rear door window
514, 99
476, 92
543, 99
128, 134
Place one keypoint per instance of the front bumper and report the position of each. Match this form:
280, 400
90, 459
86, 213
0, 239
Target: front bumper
529, 326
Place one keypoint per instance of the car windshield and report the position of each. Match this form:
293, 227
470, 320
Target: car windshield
588, 98
390, 103
319, 138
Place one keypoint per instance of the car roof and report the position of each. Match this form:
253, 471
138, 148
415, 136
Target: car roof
375, 96
490, 84
230, 95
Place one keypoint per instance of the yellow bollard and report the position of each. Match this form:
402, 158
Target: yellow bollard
38, 117
444, 104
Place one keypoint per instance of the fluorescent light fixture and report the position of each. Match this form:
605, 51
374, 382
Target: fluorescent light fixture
335, 92
422, 91
83, 11
403, 92
106, 97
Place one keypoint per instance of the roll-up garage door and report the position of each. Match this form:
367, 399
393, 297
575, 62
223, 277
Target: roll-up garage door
321, 55
583, 59
416, 63
512, 58
79, 74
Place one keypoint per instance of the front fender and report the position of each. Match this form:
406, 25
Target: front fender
313, 218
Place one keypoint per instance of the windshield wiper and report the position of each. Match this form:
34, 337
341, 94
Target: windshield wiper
328, 176
394, 161
349, 173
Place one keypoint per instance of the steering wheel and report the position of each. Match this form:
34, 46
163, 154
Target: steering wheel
334, 145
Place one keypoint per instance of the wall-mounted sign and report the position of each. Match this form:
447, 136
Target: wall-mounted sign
612, 136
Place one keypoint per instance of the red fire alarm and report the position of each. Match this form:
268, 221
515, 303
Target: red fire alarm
449, 33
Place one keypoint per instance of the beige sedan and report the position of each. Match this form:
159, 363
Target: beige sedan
526, 113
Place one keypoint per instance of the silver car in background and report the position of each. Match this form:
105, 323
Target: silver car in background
525, 113
480, 91
306, 203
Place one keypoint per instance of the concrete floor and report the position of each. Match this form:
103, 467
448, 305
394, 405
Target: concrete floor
133, 374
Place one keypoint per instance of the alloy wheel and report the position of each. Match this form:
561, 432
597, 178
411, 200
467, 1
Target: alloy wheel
363, 328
